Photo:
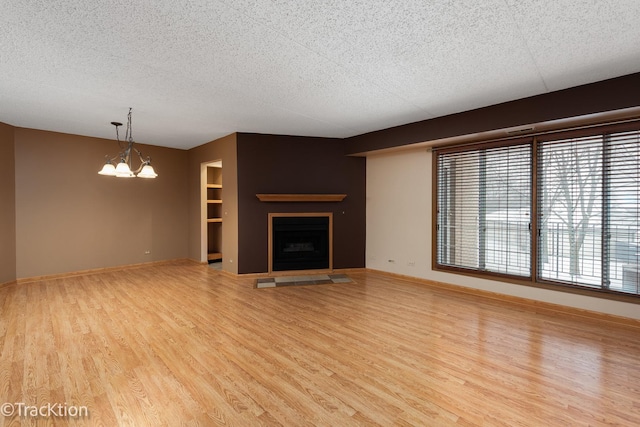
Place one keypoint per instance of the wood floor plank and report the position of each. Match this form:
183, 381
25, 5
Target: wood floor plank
182, 344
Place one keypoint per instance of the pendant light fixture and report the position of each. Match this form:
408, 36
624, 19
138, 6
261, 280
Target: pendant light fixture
124, 157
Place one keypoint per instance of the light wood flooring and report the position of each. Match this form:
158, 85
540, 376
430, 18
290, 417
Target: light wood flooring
186, 345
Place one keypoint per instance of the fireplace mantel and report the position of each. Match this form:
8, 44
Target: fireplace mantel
301, 197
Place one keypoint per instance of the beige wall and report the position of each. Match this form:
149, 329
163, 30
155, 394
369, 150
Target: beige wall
399, 229
224, 149
69, 218
7, 205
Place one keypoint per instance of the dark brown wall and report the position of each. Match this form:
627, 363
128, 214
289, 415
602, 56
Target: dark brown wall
606, 95
287, 164
7, 205
69, 218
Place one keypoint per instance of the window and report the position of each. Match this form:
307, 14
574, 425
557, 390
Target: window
582, 198
570, 210
484, 205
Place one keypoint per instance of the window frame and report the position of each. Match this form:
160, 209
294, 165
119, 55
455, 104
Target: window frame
534, 280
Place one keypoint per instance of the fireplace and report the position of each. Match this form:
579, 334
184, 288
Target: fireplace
300, 242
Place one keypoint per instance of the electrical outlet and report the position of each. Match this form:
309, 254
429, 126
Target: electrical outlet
392, 261
147, 252
411, 263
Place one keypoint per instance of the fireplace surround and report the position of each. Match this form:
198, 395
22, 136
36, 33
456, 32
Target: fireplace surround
300, 241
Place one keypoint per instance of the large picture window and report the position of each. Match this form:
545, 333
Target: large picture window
484, 205
570, 210
581, 195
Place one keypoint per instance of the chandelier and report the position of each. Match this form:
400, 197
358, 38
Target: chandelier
127, 151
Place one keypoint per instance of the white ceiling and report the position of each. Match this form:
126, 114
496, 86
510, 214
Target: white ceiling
196, 70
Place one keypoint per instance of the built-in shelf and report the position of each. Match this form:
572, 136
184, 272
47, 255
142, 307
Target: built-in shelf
301, 197
213, 211
214, 256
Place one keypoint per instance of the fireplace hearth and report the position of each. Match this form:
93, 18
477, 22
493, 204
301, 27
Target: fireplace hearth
300, 242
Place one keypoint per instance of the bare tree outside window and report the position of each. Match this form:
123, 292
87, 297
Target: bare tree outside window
571, 209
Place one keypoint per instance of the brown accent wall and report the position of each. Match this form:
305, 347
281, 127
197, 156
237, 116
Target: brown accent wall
221, 149
603, 96
69, 218
288, 164
7, 205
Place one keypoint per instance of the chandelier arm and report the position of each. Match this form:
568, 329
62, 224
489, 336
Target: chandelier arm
112, 159
139, 154
144, 161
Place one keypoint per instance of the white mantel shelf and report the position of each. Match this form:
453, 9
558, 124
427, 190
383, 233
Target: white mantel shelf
301, 197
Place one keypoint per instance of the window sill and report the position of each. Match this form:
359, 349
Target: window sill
540, 284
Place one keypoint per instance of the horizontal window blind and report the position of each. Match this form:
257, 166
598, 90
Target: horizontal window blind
586, 208
621, 249
589, 202
483, 209
570, 211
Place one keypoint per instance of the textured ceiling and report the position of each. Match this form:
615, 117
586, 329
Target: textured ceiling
196, 70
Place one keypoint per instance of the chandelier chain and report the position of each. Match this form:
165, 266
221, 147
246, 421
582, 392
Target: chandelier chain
129, 127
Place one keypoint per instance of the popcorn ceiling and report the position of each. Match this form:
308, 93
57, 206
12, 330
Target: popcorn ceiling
194, 71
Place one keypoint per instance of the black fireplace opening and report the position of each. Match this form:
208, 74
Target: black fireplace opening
300, 243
